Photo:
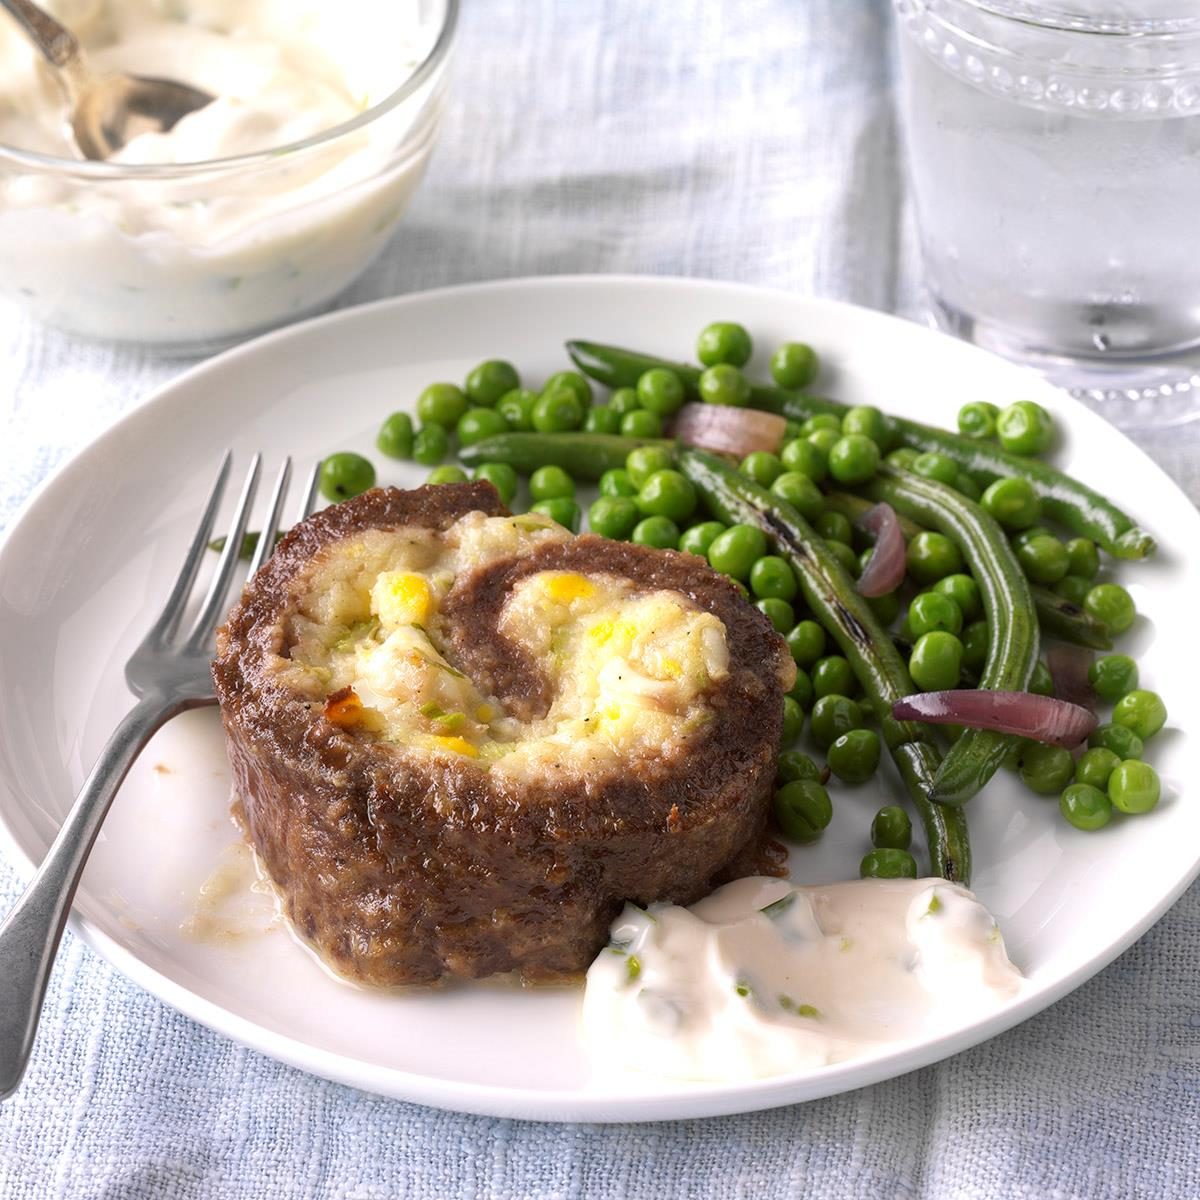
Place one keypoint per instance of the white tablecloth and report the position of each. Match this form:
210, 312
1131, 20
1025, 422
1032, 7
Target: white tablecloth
750, 140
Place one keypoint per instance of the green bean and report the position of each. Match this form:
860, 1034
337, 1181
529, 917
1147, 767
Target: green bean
1007, 604
831, 595
1068, 621
1082, 510
583, 455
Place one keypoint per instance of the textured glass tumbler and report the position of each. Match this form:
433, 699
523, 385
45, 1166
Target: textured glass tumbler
1054, 155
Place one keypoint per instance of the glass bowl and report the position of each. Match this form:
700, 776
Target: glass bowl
195, 256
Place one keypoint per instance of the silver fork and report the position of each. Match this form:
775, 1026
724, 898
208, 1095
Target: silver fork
169, 673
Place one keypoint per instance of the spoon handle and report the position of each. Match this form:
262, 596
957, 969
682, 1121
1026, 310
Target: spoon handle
56, 43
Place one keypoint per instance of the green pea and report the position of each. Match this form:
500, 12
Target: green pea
641, 423
613, 517
802, 810
794, 365
1122, 741
933, 465
501, 476
762, 466
395, 437
793, 720
978, 420
447, 474
807, 643
573, 382
516, 407
1095, 766
661, 391
700, 537
891, 829
735, 551
791, 431
903, 458
724, 342
936, 662
1112, 675
1041, 682
846, 556
832, 716
562, 509
1111, 605
885, 607
602, 419
834, 527
645, 460
854, 757
345, 474
1045, 769
824, 440
660, 532
801, 493
442, 404
624, 400
967, 486
430, 445
548, 483
1025, 428
795, 764
617, 482
1043, 559
1133, 787
932, 556
832, 676
490, 381
853, 459
479, 423
772, 577
724, 384
804, 458
1073, 588
867, 420
558, 411
886, 863
932, 610
964, 591
1085, 806
667, 493
802, 690
778, 612
1013, 502
1142, 711
1083, 557
1019, 539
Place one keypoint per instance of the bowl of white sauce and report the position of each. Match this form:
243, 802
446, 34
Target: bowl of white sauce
251, 212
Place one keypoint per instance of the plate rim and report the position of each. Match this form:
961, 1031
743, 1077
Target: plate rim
599, 1105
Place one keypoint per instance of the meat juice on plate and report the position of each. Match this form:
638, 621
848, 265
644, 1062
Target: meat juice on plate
1055, 183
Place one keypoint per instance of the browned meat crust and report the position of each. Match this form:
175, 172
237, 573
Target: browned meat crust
399, 873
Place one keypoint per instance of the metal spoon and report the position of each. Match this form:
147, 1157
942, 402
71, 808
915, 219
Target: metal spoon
105, 111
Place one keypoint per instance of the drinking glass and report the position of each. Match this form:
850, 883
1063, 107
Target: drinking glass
1054, 156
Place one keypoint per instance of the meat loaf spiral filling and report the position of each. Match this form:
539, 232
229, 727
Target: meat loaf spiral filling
461, 739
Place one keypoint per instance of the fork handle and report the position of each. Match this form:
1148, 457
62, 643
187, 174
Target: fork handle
31, 932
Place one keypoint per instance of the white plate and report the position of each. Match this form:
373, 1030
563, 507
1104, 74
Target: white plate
91, 556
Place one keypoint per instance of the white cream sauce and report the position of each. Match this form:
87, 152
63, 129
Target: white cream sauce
763, 978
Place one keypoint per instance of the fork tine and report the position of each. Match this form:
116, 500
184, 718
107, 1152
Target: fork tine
168, 620
266, 539
214, 600
308, 499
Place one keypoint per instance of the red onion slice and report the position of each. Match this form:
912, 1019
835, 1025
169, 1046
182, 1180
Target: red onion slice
1068, 665
737, 431
1043, 718
885, 568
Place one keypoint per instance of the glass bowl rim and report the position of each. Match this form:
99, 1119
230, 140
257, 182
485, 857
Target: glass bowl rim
1062, 18
109, 171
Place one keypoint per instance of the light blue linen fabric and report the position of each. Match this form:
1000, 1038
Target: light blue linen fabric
749, 140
